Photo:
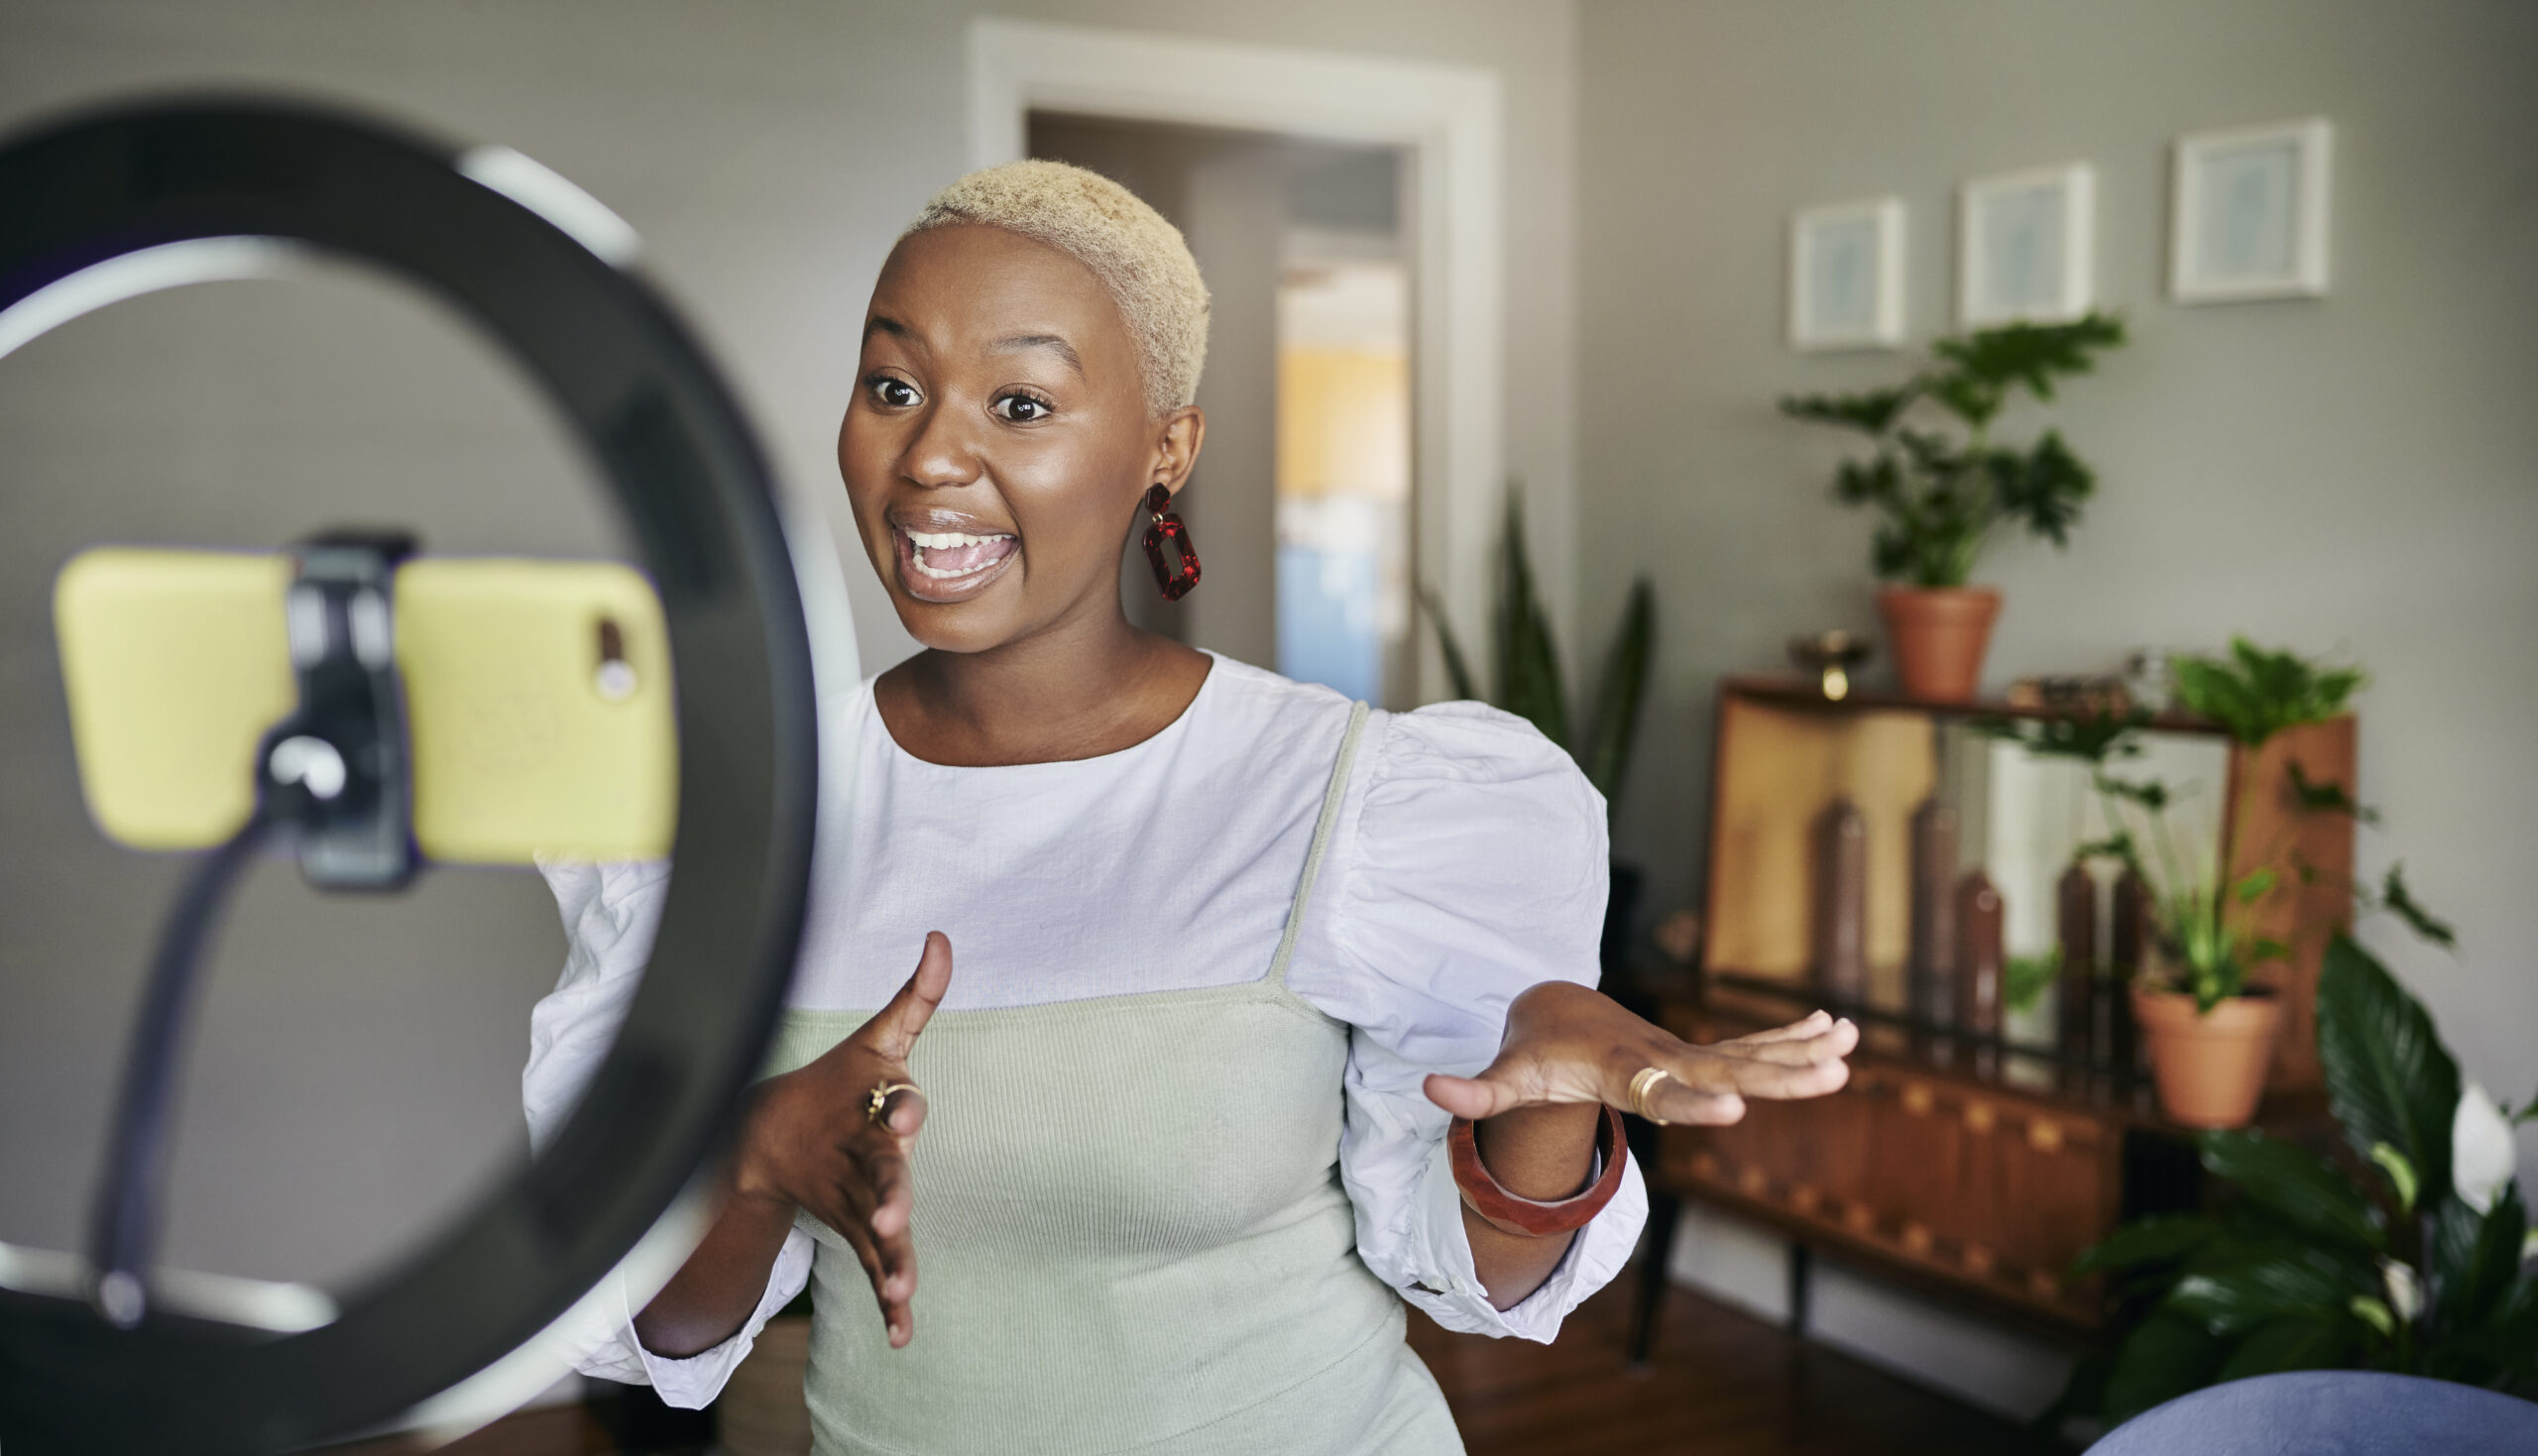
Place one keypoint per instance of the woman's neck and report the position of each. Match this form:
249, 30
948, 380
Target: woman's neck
1078, 690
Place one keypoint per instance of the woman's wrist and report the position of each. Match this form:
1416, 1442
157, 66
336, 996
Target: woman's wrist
1545, 1152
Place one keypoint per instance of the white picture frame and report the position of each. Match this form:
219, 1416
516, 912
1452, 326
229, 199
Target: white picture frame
2027, 246
1846, 275
2249, 211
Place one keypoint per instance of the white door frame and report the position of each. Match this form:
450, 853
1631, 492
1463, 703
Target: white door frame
1445, 116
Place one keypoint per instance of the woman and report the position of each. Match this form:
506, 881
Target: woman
1171, 1146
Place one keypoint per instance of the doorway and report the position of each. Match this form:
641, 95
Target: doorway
1301, 505
1442, 123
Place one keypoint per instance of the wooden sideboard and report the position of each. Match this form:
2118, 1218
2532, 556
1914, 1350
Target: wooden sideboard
1973, 1169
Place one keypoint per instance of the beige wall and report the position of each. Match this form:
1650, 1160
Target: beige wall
768, 150
2356, 476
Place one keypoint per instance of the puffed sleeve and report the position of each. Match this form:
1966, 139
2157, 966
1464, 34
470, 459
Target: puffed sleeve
1471, 863
611, 913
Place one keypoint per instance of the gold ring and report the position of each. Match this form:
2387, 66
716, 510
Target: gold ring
1641, 1085
881, 1098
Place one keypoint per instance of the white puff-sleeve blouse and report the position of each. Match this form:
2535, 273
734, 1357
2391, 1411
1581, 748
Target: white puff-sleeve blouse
1468, 862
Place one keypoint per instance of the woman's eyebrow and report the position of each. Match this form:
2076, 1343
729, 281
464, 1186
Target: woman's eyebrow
1062, 348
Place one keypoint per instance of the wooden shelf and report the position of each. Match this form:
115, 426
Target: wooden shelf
1785, 690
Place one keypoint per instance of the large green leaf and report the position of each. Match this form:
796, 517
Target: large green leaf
2302, 1342
2161, 1238
1870, 413
2476, 1257
1618, 697
2232, 1290
2163, 1358
2297, 1185
2031, 354
2389, 1077
2044, 487
2254, 693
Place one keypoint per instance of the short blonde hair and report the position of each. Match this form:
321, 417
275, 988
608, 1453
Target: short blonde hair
1138, 255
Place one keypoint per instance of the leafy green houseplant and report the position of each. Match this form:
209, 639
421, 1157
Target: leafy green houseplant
1943, 486
1525, 669
2210, 1032
2407, 1249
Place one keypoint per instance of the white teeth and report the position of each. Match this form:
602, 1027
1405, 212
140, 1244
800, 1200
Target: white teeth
941, 574
944, 541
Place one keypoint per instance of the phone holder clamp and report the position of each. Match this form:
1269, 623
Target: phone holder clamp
337, 771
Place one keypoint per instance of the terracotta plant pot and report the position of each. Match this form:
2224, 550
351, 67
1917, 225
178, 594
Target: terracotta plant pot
2210, 1067
1938, 635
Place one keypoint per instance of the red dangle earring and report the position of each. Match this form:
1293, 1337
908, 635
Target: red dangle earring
1176, 580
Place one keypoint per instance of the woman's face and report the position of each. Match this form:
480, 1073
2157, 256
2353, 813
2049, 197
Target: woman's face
997, 444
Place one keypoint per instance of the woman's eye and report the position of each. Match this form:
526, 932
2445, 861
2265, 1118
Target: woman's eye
1021, 408
892, 394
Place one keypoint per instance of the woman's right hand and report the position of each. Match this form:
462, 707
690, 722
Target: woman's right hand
811, 1142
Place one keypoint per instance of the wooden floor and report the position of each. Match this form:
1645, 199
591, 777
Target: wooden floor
1721, 1384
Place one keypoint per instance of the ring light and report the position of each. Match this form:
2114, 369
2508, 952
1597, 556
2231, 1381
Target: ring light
126, 201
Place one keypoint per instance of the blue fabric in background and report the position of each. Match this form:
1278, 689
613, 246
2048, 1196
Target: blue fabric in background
2331, 1412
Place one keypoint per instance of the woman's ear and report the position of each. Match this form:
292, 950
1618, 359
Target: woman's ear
1176, 447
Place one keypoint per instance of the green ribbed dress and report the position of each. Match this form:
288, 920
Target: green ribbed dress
1131, 1237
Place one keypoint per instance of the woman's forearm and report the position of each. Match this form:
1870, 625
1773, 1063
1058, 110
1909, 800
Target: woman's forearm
1547, 1152
713, 1294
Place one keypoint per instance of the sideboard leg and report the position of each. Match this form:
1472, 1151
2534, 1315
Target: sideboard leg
1655, 1251
1801, 1275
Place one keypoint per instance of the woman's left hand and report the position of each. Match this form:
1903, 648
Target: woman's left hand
1566, 1043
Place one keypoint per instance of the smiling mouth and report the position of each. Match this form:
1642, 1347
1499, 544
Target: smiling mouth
948, 565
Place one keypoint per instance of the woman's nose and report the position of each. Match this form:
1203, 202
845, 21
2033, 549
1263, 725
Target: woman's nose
940, 453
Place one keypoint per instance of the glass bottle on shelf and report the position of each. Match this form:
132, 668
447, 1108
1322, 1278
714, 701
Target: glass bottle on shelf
1932, 969
1841, 904
2127, 942
2075, 920
1978, 957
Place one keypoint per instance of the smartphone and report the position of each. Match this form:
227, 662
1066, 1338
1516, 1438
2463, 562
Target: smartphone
538, 699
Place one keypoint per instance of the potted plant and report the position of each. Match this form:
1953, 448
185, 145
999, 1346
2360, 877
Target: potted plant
1942, 494
1524, 665
2408, 1252
2209, 1029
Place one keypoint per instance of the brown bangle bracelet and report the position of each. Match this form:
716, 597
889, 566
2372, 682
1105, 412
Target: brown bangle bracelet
1524, 1217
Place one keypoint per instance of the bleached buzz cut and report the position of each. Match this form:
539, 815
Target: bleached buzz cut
1138, 255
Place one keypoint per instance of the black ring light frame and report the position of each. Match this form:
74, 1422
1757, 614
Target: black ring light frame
689, 476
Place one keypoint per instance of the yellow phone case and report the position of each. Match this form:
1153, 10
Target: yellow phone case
537, 700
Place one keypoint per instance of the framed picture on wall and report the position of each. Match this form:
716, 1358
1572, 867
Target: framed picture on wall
2249, 216
1846, 275
2023, 246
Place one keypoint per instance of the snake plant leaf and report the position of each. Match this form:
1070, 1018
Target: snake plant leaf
2474, 1259
1529, 684
2388, 1079
1619, 694
1457, 666
2302, 1189
2301, 1342
2163, 1358
2261, 1281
